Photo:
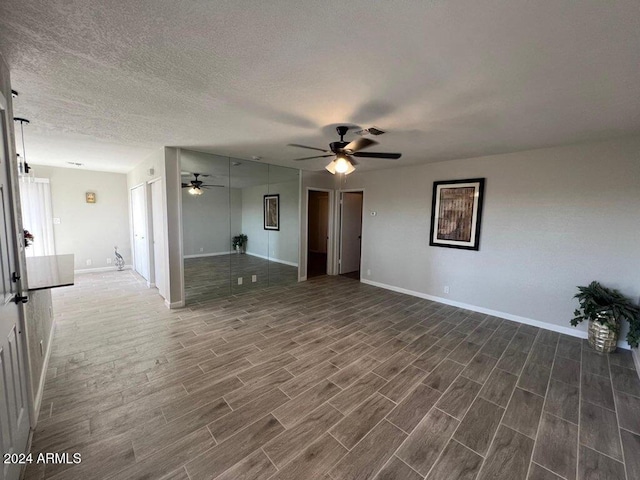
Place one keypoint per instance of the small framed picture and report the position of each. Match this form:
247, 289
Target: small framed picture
456, 212
91, 197
272, 212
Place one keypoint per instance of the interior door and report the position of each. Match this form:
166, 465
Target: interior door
139, 223
157, 220
14, 413
350, 231
317, 233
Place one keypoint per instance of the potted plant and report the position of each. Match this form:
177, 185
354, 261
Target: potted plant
239, 243
28, 238
605, 309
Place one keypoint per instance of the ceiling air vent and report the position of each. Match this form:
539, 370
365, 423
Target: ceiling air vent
370, 131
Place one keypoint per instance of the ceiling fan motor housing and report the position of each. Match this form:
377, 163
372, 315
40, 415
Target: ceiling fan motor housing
336, 147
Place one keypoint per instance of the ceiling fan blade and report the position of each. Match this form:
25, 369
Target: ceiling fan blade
359, 144
393, 156
185, 185
309, 158
353, 161
209, 185
304, 146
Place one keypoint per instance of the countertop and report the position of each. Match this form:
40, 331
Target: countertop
50, 271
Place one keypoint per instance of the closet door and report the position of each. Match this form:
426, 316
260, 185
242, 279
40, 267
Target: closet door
139, 224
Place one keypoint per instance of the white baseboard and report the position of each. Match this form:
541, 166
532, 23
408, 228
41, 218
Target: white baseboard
179, 304
277, 260
37, 403
571, 331
215, 254
100, 269
302, 279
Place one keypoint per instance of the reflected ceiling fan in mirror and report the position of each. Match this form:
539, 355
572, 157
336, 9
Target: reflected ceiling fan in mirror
345, 151
196, 186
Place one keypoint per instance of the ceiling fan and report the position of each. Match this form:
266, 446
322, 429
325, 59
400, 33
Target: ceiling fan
345, 151
196, 186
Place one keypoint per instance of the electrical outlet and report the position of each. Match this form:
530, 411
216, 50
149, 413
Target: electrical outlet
88, 262
368, 272
446, 289
108, 261
254, 278
239, 280
201, 249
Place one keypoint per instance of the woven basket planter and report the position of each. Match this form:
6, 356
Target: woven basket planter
601, 338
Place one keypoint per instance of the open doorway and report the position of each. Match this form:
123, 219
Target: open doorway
317, 233
350, 233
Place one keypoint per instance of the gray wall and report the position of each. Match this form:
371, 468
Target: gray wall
89, 230
252, 220
282, 245
553, 219
205, 221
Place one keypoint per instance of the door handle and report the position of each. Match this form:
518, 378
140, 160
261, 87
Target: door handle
20, 299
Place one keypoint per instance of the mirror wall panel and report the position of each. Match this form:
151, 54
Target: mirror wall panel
249, 267
239, 198
284, 189
206, 226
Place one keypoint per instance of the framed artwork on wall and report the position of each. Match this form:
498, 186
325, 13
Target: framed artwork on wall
90, 197
272, 212
456, 211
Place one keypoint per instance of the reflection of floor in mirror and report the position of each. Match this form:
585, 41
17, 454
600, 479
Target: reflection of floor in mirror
208, 278
354, 275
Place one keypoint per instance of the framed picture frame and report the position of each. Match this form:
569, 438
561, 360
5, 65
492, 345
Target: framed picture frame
456, 213
90, 197
272, 212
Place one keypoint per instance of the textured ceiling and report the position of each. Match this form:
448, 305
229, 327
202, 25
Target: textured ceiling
106, 82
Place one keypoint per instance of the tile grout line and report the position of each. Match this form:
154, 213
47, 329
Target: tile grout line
615, 404
434, 407
542, 413
484, 461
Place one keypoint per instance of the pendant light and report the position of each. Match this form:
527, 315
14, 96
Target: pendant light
23, 167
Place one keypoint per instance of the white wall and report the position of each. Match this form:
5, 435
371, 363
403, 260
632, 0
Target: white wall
89, 230
553, 219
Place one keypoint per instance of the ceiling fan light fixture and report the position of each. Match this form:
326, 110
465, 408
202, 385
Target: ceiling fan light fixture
195, 191
341, 164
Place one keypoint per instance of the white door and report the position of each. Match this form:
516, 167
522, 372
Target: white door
139, 223
14, 413
157, 219
350, 231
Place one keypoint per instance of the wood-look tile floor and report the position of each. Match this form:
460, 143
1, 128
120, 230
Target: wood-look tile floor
328, 379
